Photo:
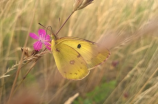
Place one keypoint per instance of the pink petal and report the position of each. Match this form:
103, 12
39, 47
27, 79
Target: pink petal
42, 33
34, 36
47, 38
37, 45
48, 48
47, 43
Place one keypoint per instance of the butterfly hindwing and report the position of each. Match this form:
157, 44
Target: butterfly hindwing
87, 49
69, 62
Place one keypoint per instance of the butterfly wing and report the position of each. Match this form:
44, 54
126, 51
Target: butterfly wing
69, 62
87, 49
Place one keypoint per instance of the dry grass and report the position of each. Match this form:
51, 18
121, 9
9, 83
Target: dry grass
133, 45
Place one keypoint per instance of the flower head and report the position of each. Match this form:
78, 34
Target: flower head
43, 38
80, 4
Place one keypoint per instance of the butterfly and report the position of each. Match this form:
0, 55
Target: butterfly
75, 57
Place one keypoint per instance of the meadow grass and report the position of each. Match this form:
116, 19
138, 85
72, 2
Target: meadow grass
129, 76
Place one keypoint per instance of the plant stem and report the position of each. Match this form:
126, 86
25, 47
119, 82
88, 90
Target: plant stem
64, 23
26, 74
20, 64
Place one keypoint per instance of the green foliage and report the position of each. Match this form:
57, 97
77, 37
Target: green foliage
30, 79
98, 95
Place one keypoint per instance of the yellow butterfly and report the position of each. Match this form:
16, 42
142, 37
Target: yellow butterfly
74, 57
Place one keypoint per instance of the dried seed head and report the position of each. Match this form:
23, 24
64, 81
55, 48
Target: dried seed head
80, 4
34, 52
77, 4
25, 50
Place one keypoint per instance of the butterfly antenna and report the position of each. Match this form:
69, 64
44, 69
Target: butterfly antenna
41, 25
50, 30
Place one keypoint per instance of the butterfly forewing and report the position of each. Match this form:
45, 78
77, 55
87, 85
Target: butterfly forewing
88, 50
69, 62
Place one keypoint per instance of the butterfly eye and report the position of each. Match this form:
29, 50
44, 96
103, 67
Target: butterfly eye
79, 46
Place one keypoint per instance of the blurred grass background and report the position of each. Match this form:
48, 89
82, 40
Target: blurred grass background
129, 76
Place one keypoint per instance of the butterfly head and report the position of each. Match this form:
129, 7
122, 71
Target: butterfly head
53, 41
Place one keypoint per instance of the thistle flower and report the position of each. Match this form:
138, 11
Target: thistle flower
80, 4
42, 39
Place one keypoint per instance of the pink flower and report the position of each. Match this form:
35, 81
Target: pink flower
41, 39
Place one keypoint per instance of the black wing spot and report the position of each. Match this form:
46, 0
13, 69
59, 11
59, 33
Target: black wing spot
79, 46
76, 73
